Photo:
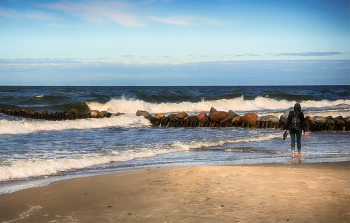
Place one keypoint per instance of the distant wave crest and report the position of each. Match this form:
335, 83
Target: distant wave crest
237, 104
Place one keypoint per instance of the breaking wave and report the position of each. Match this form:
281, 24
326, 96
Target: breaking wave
259, 104
25, 126
43, 167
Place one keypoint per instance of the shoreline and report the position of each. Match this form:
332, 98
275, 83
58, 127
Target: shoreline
16, 185
271, 192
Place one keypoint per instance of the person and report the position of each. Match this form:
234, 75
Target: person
296, 133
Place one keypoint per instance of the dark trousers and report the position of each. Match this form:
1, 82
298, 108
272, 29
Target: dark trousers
296, 133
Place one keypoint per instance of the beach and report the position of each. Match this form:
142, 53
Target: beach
296, 192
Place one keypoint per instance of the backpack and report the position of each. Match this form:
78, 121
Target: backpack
296, 122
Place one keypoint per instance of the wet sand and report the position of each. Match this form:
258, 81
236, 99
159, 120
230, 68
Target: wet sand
252, 193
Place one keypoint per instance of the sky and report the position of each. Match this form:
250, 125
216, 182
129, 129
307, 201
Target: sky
174, 42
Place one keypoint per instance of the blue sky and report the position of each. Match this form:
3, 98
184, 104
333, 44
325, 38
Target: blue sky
174, 42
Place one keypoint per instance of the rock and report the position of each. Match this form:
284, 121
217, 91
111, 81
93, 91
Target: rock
44, 112
160, 115
307, 119
202, 117
94, 113
329, 121
283, 118
142, 113
172, 117
149, 117
250, 118
236, 120
181, 115
231, 114
73, 111
318, 119
268, 118
347, 123
102, 114
339, 120
217, 116
226, 120
212, 110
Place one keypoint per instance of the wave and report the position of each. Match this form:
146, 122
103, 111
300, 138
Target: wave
35, 168
25, 126
294, 97
259, 104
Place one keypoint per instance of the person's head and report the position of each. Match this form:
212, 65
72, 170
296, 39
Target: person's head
297, 107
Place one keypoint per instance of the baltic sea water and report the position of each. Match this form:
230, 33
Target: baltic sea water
36, 152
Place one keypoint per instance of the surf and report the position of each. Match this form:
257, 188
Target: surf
25, 126
260, 105
34, 167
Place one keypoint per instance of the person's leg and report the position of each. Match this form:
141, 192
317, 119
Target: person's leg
292, 140
298, 133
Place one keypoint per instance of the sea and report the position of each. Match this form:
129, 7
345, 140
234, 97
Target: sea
35, 153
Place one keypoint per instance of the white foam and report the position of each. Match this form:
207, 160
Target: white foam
33, 168
45, 167
262, 137
260, 105
238, 105
25, 127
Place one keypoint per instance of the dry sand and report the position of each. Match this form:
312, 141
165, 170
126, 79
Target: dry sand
253, 193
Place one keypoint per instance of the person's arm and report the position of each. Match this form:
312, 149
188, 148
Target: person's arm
289, 120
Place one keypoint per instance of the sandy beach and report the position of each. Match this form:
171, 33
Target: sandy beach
253, 193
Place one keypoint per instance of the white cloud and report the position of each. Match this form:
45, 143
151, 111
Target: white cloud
175, 20
306, 54
11, 13
6, 12
185, 20
98, 12
125, 13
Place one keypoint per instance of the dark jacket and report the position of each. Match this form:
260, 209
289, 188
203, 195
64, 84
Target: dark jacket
297, 111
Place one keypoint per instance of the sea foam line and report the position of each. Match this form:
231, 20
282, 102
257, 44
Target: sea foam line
46, 167
25, 127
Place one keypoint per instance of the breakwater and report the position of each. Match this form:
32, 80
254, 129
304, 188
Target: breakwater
58, 116
212, 119
249, 120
